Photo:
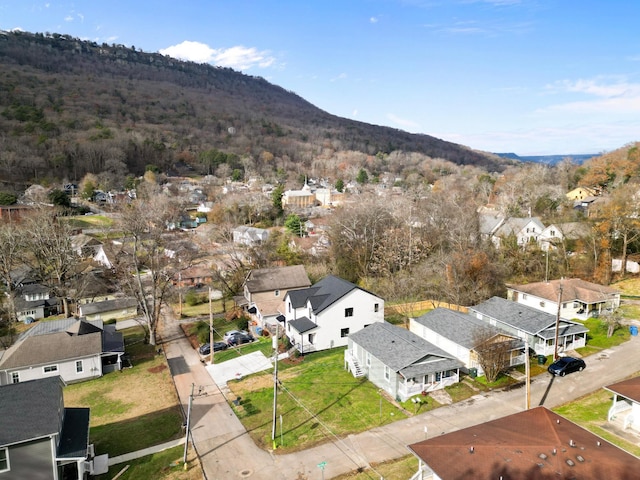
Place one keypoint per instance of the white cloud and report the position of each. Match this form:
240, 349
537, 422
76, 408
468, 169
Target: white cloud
604, 95
373, 20
342, 76
68, 18
238, 57
403, 122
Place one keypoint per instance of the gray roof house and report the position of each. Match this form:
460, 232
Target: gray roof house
79, 351
458, 334
114, 309
539, 328
40, 438
33, 302
325, 314
399, 361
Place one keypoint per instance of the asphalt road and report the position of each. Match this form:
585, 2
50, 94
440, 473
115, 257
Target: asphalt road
227, 451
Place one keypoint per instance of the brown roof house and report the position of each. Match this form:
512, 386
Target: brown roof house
75, 350
535, 444
579, 299
264, 290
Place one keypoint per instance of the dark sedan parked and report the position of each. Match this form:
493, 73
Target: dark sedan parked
239, 339
206, 348
565, 365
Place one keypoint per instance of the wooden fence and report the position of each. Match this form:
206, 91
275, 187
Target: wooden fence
409, 309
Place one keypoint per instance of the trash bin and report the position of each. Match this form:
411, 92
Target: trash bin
473, 372
542, 359
633, 330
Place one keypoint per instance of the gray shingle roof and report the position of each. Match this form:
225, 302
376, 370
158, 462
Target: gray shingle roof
302, 325
402, 351
108, 306
520, 316
323, 294
53, 326
74, 437
459, 327
30, 409
52, 348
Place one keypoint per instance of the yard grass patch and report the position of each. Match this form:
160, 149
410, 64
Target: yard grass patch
134, 408
399, 469
317, 400
166, 465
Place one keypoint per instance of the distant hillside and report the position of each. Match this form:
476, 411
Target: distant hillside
69, 107
548, 159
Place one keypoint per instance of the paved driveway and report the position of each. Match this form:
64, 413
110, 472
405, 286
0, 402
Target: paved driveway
238, 367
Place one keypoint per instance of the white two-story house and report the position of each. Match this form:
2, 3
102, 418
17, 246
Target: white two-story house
325, 314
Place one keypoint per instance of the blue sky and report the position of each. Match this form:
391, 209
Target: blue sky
533, 77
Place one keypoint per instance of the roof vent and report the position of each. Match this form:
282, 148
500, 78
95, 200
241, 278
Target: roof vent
570, 462
471, 449
558, 421
580, 458
543, 456
554, 451
572, 443
598, 443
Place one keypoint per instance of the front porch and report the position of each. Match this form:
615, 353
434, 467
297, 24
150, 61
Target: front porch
565, 344
437, 381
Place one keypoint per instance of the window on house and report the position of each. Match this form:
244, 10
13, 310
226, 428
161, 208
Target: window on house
564, 305
368, 359
553, 233
79, 366
376, 307
387, 373
4, 460
524, 296
289, 307
348, 312
344, 332
311, 337
277, 293
542, 304
50, 368
15, 377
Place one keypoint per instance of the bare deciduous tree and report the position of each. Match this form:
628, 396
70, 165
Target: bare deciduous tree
493, 351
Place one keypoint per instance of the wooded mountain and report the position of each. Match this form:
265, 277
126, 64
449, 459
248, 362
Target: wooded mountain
70, 107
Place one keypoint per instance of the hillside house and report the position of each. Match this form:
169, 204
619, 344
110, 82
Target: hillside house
33, 302
399, 361
579, 299
249, 236
325, 314
113, 309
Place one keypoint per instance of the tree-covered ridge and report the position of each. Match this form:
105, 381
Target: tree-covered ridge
70, 107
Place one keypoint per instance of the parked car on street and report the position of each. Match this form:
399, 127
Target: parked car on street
565, 365
205, 349
239, 339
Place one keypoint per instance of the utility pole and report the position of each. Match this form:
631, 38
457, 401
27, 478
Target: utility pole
527, 369
275, 386
186, 443
210, 328
555, 353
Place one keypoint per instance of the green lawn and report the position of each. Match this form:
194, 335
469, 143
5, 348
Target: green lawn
167, 465
134, 408
318, 399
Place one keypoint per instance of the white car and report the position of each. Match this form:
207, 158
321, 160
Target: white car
232, 333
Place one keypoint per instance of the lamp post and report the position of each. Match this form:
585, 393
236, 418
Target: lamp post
210, 327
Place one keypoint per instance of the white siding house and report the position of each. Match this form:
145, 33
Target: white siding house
325, 314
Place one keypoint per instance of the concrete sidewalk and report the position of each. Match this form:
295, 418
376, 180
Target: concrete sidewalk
227, 451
